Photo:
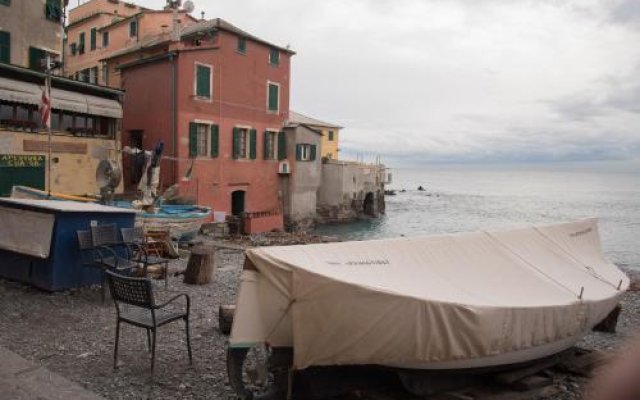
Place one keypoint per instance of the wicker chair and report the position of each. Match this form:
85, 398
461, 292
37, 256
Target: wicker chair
143, 311
136, 236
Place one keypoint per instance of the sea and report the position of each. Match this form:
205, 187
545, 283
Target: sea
459, 198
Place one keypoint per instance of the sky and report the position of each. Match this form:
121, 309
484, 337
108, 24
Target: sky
460, 81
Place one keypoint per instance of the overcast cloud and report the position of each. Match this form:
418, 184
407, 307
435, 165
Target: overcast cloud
460, 80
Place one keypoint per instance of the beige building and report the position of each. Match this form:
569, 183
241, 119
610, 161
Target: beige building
85, 125
98, 29
330, 146
29, 29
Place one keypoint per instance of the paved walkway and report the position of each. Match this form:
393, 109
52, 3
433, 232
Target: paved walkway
23, 380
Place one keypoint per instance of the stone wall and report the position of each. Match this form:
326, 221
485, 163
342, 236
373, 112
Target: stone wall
350, 191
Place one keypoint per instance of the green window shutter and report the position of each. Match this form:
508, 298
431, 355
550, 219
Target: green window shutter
242, 45
252, 144
94, 38
236, 142
133, 28
35, 58
312, 154
203, 81
5, 2
105, 39
74, 48
81, 43
193, 139
299, 152
53, 10
5, 47
265, 145
214, 141
282, 145
273, 97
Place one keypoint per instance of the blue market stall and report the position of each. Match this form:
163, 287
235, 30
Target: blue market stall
39, 245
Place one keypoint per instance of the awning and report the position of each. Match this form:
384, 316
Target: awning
30, 93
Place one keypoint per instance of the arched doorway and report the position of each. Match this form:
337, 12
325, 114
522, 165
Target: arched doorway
368, 205
237, 202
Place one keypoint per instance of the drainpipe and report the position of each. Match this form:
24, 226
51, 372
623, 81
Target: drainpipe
174, 115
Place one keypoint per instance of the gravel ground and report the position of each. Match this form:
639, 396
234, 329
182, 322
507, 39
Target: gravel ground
72, 333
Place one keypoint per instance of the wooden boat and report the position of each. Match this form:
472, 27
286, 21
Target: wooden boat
444, 302
182, 221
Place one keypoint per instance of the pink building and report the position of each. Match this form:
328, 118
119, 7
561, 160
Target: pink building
218, 97
100, 28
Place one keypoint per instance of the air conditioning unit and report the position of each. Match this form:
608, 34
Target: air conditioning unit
284, 167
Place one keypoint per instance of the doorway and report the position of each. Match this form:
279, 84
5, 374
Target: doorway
237, 202
368, 205
136, 163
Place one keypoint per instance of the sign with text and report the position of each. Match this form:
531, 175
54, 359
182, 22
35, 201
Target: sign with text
56, 147
21, 160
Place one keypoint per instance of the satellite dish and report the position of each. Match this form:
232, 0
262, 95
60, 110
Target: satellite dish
108, 174
188, 6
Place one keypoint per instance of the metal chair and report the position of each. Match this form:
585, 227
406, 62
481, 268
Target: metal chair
123, 255
100, 257
136, 236
144, 313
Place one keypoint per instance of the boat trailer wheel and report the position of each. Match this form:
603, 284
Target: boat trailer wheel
279, 363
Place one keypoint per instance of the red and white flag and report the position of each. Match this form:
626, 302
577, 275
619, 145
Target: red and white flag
45, 107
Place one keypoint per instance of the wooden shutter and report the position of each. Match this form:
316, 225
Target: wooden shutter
273, 97
203, 81
214, 141
105, 39
282, 145
193, 139
5, 47
298, 152
236, 142
265, 146
312, 154
252, 144
94, 38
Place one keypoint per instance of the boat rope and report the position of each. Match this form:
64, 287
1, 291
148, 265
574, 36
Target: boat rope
587, 267
496, 240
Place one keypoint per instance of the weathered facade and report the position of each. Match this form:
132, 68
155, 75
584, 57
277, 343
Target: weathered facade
300, 185
350, 190
329, 132
85, 130
218, 99
29, 29
99, 29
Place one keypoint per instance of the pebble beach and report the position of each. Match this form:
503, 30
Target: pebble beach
72, 333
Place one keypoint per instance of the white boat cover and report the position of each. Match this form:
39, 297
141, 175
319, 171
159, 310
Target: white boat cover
416, 301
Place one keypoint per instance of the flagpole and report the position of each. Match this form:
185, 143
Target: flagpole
48, 89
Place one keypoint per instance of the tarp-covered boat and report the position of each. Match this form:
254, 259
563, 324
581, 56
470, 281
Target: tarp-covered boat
452, 301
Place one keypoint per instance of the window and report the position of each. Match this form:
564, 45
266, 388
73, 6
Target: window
5, 47
81, 43
273, 97
53, 11
133, 28
93, 75
274, 57
203, 81
242, 45
244, 143
331, 136
5, 2
105, 39
305, 152
73, 47
84, 75
203, 140
35, 58
270, 145
105, 74
94, 38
